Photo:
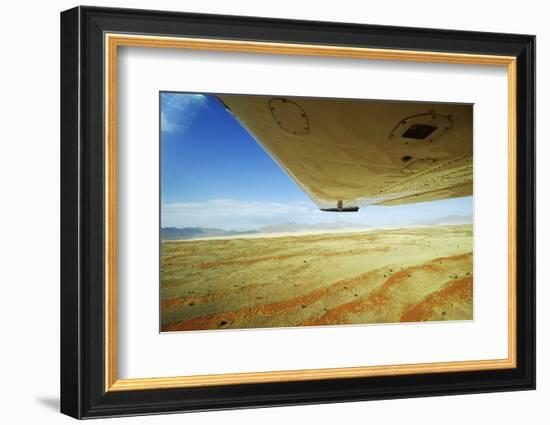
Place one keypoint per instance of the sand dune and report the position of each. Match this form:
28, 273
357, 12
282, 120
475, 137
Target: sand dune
385, 276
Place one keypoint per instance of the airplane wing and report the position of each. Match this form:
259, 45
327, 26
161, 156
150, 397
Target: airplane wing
349, 153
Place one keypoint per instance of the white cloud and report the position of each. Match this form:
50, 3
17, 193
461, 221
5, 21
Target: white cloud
166, 125
179, 110
233, 214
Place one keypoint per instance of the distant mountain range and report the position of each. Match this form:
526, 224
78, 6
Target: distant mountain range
175, 233
297, 227
171, 233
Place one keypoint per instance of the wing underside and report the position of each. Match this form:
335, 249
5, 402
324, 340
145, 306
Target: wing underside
349, 153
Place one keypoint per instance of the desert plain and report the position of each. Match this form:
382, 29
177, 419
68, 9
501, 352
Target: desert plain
414, 274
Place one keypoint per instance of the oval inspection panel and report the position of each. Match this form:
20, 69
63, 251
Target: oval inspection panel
290, 116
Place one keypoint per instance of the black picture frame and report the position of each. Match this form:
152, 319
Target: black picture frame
83, 392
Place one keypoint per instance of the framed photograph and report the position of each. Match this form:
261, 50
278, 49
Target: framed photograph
261, 212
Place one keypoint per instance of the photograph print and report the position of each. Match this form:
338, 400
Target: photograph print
284, 211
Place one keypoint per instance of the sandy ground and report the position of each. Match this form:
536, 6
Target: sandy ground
386, 276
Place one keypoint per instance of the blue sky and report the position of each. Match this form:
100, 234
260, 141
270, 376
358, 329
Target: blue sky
214, 174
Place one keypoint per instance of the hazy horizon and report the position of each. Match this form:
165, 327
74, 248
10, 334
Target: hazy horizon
198, 216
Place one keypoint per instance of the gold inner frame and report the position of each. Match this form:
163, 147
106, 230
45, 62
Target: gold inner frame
113, 41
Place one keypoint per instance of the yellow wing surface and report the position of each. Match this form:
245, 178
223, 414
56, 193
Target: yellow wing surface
349, 153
